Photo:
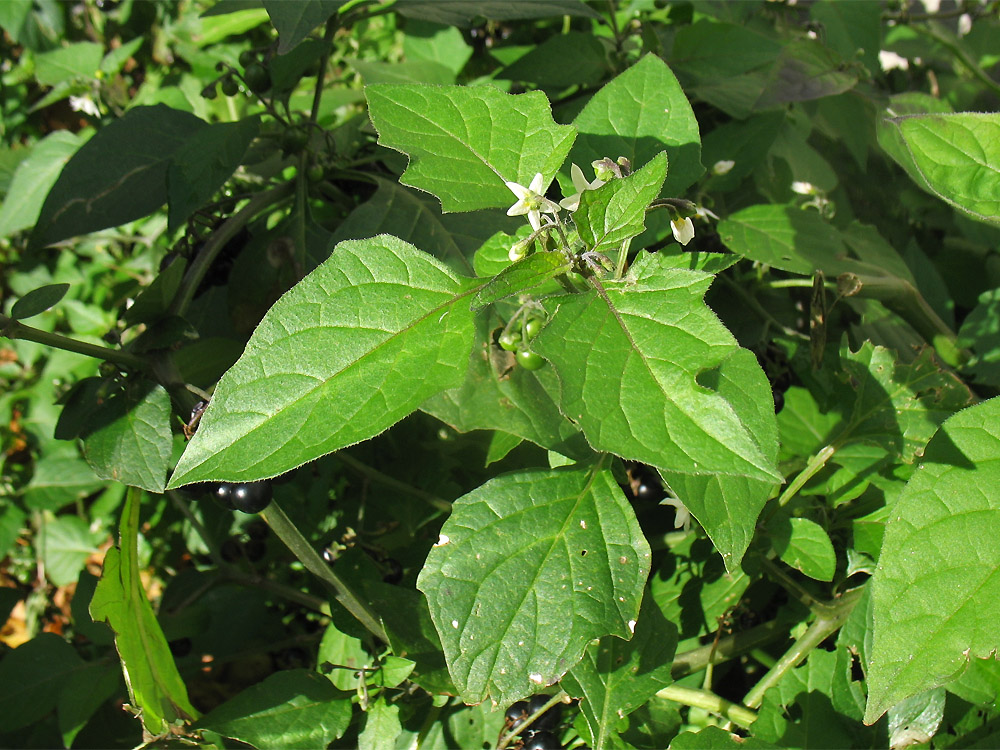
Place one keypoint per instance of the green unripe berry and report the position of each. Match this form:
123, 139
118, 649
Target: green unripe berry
532, 327
294, 140
315, 173
509, 341
257, 78
529, 360
247, 58
230, 87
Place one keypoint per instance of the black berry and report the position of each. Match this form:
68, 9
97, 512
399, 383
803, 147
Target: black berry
516, 715
541, 741
547, 720
251, 497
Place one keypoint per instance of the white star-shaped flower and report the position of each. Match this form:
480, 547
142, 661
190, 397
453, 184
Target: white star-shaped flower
683, 229
682, 516
530, 201
580, 183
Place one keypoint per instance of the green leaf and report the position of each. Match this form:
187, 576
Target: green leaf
804, 545
382, 726
31, 678
58, 481
852, 30
432, 43
117, 176
575, 58
627, 360
458, 140
637, 115
79, 60
295, 708
129, 438
463, 12
33, 179
65, 544
916, 720
416, 218
717, 738
805, 70
294, 21
82, 695
896, 406
341, 650
498, 395
938, 576
204, 163
788, 238
12, 520
615, 677
353, 348
519, 276
958, 158
727, 506
38, 301
116, 58
155, 687
616, 212
800, 710
980, 334
529, 568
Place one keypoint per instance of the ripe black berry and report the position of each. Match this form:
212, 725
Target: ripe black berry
550, 718
251, 497
516, 715
223, 495
541, 741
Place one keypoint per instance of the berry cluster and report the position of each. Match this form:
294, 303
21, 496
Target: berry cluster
516, 337
538, 735
248, 497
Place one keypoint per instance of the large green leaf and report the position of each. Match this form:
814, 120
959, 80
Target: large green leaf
615, 677
353, 348
129, 438
520, 276
203, 165
938, 578
637, 115
154, 684
958, 158
616, 212
33, 179
628, 358
727, 506
295, 709
31, 677
65, 544
528, 570
295, 20
117, 176
382, 726
459, 140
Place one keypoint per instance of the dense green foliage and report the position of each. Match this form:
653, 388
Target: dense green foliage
545, 373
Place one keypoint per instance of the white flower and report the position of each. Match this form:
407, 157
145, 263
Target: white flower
704, 214
580, 183
889, 60
682, 516
518, 250
723, 166
804, 188
530, 201
683, 229
964, 24
84, 104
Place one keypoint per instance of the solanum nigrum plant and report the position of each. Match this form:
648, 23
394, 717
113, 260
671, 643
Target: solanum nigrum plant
628, 369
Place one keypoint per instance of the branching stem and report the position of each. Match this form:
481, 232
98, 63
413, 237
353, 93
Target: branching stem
14, 329
734, 712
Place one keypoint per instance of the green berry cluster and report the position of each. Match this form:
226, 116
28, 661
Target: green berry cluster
517, 336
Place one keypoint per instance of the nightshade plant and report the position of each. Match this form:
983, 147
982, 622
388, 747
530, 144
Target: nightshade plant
604, 374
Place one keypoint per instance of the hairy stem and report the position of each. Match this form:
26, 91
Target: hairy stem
734, 712
14, 329
830, 617
282, 525
727, 648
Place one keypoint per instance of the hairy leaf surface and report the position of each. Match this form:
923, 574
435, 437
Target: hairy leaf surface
348, 352
529, 569
938, 575
465, 143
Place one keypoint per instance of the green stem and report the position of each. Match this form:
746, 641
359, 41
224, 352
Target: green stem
829, 620
959, 53
727, 648
14, 329
816, 463
753, 304
226, 231
622, 258
734, 712
331, 29
282, 525
379, 478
